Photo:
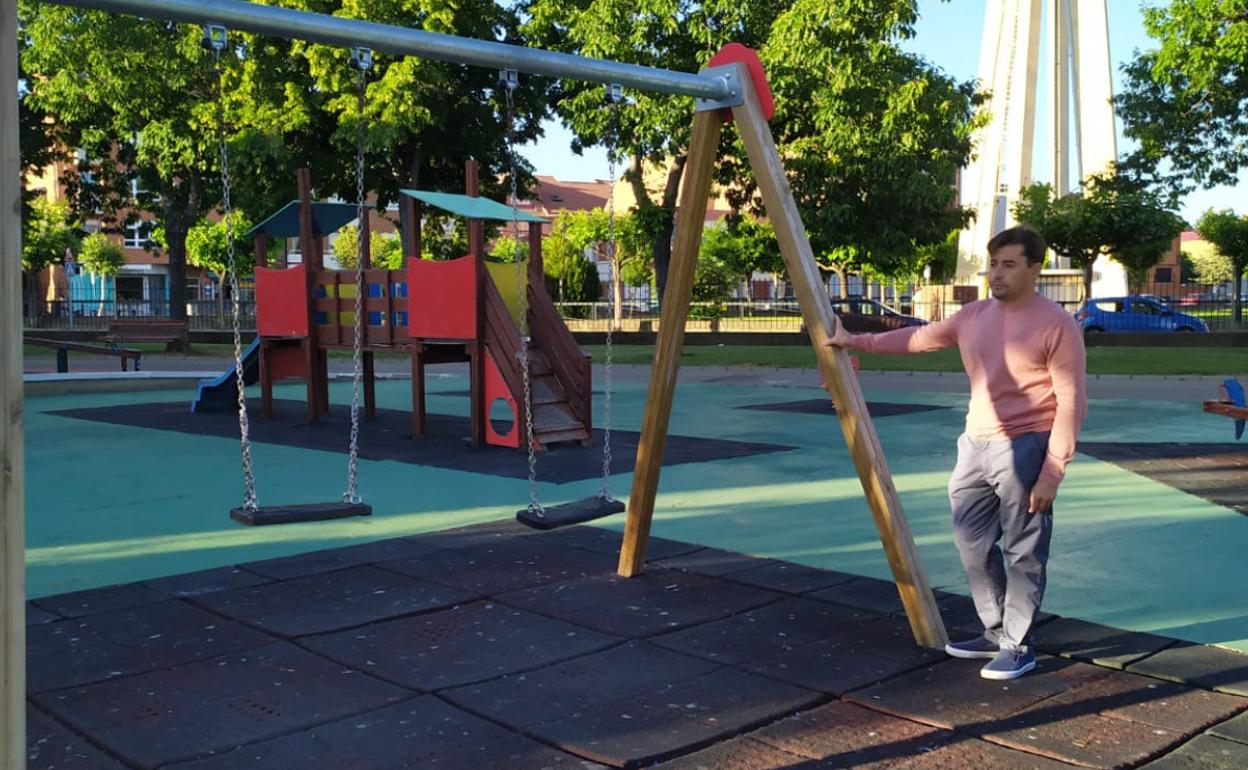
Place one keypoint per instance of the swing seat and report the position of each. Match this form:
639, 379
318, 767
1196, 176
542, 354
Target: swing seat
575, 512
291, 514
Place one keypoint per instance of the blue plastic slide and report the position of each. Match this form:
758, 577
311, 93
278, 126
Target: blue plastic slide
217, 393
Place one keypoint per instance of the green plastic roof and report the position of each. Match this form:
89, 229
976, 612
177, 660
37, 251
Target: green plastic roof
470, 208
326, 219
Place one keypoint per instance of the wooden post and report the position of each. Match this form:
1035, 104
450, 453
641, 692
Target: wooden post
12, 469
261, 242
676, 299
851, 408
536, 267
476, 369
307, 252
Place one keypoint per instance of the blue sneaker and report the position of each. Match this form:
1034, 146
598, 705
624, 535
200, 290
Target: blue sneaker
979, 647
1009, 664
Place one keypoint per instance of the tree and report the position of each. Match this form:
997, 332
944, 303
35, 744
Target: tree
570, 277
384, 252
50, 231
744, 245
1207, 264
138, 95
1113, 216
1228, 233
653, 129
508, 249
588, 230
1183, 102
207, 247
102, 259
872, 136
423, 118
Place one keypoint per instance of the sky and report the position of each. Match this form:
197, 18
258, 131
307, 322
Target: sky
947, 35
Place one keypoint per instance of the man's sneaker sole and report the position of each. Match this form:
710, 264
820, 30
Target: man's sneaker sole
957, 652
1001, 676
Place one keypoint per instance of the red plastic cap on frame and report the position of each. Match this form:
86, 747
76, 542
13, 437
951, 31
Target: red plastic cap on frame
734, 53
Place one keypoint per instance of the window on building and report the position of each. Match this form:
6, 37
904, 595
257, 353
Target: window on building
129, 288
1163, 275
135, 189
138, 234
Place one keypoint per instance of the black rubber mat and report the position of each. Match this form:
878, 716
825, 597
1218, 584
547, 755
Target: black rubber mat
824, 406
1215, 472
389, 438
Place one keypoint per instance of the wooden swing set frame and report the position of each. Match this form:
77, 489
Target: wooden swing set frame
733, 89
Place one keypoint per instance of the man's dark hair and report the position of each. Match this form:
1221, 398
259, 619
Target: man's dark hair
1030, 240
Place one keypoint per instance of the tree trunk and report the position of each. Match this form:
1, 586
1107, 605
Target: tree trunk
1087, 278
413, 181
221, 279
176, 237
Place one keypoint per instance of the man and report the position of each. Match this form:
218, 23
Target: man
1025, 359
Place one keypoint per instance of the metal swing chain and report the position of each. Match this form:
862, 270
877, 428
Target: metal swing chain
615, 94
215, 38
362, 59
509, 79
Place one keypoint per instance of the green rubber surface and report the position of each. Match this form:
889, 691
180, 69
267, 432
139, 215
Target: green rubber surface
109, 504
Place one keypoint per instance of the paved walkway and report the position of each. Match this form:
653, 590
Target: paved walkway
496, 647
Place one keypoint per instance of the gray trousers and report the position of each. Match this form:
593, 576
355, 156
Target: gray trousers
989, 493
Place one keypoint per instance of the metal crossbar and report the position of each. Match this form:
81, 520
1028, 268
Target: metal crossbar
351, 33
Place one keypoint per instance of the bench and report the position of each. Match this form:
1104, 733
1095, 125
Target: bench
174, 334
62, 352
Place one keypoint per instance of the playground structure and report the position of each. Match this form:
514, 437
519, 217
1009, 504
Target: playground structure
733, 87
435, 312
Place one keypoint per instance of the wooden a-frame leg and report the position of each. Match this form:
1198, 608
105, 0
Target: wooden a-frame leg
851, 408
676, 297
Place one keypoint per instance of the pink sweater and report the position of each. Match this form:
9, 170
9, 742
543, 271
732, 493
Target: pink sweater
1026, 365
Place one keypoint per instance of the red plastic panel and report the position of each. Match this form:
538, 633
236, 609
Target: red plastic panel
496, 389
287, 362
282, 302
734, 53
442, 299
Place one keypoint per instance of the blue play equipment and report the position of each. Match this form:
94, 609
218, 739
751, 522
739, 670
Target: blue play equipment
1233, 393
217, 393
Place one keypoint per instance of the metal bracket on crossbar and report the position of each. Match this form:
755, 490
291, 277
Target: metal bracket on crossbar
362, 58
730, 76
615, 93
509, 79
214, 37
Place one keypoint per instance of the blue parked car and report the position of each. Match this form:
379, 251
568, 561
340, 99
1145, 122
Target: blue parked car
1134, 314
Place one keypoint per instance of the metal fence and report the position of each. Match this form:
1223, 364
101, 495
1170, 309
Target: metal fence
1188, 308
202, 315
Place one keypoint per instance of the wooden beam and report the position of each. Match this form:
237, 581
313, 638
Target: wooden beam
851, 407
12, 469
678, 293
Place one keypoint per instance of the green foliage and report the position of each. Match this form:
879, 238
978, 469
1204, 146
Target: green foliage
49, 231
1203, 263
712, 280
100, 256
508, 249
423, 118
1183, 102
384, 251
1228, 233
872, 136
207, 246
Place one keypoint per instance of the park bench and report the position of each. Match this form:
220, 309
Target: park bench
62, 349
173, 333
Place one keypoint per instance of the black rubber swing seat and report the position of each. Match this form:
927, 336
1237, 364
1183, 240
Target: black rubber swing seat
575, 512
291, 514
